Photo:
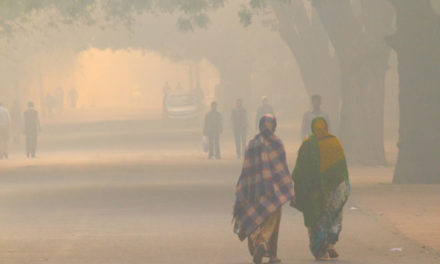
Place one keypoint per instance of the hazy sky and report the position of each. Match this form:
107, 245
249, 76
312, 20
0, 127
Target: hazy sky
107, 78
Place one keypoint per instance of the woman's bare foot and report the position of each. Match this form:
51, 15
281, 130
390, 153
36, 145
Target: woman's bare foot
324, 257
332, 251
259, 253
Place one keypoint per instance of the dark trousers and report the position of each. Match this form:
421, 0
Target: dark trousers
31, 145
214, 145
240, 142
4, 138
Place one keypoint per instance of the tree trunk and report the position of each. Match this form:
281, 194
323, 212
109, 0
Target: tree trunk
363, 61
377, 20
235, 82
417, 44
309, 43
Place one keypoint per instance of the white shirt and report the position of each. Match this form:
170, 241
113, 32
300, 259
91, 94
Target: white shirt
5, 119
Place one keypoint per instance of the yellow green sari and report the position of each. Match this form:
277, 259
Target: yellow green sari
321, 186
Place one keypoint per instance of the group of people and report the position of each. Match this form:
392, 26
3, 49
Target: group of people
213, 126
54, 102
318, 187
16, 122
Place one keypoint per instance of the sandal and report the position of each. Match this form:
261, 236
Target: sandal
323, 257
333, 253
274, 260
259, 254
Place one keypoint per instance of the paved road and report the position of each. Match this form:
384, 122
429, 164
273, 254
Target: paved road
142, 209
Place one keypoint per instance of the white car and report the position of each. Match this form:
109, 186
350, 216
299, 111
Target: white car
181, 106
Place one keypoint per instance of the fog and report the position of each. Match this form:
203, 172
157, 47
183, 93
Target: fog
122, 171
119, 71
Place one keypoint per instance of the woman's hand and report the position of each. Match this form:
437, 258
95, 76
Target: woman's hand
293, 201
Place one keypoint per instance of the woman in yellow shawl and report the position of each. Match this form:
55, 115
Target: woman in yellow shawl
321, 188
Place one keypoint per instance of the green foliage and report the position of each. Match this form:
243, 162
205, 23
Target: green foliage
116, 11
254, 7
184, 24
245, 15
257, 4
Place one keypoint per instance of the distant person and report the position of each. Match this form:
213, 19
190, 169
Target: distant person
59, 99
264, 109
16, 121
179, 88
264, 186
322, 188
200, 95
166, 92
213, 129
239, 126
166, 89
5, 126
312, 114
50, 104
31, 129
73, 96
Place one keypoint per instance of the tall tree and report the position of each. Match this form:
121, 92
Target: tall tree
417, 44
309, 43
356, 72
363, 62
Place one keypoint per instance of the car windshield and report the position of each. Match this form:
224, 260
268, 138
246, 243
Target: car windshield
180, 100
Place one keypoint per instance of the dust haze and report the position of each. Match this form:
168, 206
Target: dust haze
123, 168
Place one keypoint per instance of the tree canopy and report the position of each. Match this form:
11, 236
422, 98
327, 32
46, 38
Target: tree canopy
193, 12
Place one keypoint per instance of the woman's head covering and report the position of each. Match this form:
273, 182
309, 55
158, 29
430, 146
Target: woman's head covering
320, 127
264, 129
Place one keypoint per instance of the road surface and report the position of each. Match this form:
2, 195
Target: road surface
149, 196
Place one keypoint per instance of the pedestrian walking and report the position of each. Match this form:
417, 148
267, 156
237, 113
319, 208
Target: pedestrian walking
264, 186
315, 112
322, 188
212, 130
32, 127
5, 126
239, 126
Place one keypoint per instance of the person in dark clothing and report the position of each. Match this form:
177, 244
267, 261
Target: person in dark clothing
239, 125
50, 104
212, 129
264, 109
31, 129
59, 100
73, 96
5, 127
16, 121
